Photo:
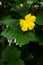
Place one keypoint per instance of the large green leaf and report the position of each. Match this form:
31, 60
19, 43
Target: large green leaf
21, 37
9, 21
10, 54
39, 19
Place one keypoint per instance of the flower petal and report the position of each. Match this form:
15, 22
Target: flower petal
22, 22
27, 17
27, 23
33, 18
31, 25
24, 28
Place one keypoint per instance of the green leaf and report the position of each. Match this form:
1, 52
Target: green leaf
21, 37
10, 54
39, 19
9, 21
8, 33
19, 62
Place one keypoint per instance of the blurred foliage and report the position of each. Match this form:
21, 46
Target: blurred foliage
11, 55
29, 50
40, 18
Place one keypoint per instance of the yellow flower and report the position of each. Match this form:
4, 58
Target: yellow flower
27, 23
